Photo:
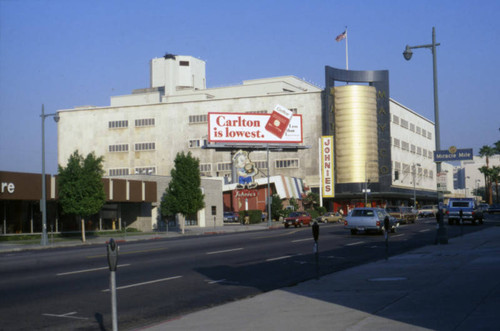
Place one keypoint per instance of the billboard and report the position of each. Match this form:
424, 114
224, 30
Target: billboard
327, 180
453, 154
279, 127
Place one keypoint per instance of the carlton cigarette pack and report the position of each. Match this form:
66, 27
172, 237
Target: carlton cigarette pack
279, 120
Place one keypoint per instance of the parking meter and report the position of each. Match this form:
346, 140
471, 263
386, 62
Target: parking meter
386, 224
112, 254
315, 230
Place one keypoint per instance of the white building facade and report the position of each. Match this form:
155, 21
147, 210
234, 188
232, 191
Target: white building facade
141, 133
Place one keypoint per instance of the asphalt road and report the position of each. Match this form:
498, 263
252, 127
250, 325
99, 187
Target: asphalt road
68, 289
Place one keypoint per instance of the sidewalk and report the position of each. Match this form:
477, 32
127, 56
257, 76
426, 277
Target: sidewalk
444, 287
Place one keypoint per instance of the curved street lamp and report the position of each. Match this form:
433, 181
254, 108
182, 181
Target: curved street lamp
407, 55
43, 207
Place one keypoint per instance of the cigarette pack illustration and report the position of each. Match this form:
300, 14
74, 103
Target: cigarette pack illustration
279, 120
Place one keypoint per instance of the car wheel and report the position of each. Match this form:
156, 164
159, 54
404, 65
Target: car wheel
354, 231
300, 224
286, 225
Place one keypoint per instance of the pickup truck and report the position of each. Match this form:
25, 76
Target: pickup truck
369, 219
468, 208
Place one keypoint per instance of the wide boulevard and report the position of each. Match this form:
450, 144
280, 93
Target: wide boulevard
157, 280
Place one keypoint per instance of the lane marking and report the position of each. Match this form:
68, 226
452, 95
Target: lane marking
397, 235
144, 283
278, 235
279, 258
299, 240
225, 251
129, 252
88, 270
425, 230
67, 315
355, 243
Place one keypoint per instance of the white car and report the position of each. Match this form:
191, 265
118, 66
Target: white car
369, 219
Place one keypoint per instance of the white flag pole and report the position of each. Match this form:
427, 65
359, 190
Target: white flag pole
346, 54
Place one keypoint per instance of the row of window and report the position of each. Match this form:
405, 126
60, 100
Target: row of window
137, 147
406, 168
195, 119
406, 146
124, 123
137, 171
412, 127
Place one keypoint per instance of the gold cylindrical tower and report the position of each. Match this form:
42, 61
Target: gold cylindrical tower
356, 140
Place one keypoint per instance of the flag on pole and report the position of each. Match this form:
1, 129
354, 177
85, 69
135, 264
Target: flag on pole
341, 36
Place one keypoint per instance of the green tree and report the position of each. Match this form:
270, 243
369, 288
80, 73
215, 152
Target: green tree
487, 151
276, 207
81, 190
293, 202
183, 194
495, 177
311, 200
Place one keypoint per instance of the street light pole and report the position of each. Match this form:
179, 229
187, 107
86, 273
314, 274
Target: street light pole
407, 55
45, 240
414, 184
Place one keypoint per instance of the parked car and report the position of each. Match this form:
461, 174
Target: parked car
465, 209
331, 217
428, 211
297, 219
230, 217
493, 209
369, 219
403, 214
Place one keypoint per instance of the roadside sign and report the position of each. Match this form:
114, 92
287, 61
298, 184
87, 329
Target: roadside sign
453, 154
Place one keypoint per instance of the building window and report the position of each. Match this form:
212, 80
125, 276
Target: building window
430, 173
405, 146
184, 63
224, 166
293, 110
205, 167
419, 130
256, 112
118, 172
397, 166
293, 163
145, 171
197, 143
429, 135
260, 164
118, 148
118, 124
424, 152
424, 133
404, 123
419, 150
397, 143
406, 168
145, 122
395, 119
193, 119
413, 148
426, 173
412, 127
145, 147
431, 155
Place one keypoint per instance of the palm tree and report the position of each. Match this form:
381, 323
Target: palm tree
487, 151
495, 176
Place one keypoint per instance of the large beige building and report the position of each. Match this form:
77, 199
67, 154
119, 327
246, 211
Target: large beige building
141, 133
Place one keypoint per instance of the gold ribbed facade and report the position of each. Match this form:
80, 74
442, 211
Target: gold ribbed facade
356, 141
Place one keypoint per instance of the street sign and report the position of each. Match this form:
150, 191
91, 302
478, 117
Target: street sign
453, 154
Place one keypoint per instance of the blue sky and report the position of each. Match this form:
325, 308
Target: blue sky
71, 53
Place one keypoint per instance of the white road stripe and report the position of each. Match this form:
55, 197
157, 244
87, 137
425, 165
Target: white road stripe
425, 230
397, 235
225, 251
279, 258
356, 243
144, 283
67, 315
299, 240
88, 270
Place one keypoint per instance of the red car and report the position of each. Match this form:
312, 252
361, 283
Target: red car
298, 218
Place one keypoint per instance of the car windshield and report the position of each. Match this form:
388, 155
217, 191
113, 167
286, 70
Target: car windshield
460, 204
392, 209
362, 212
294, 214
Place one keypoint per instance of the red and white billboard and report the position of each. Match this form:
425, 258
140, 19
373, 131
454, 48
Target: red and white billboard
254, 128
